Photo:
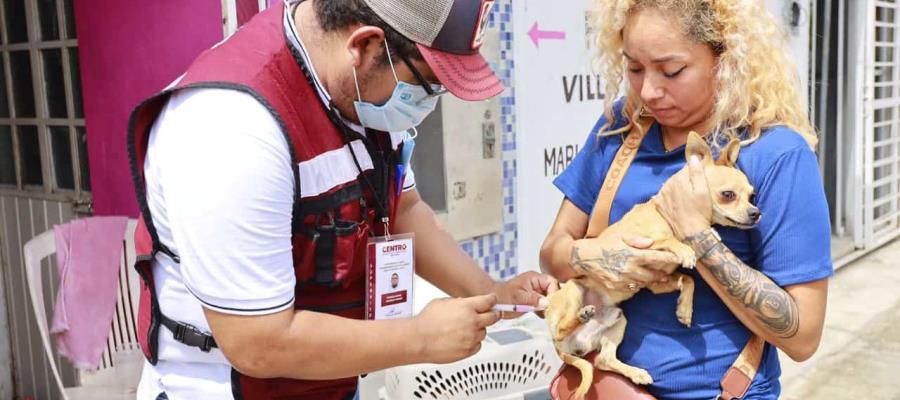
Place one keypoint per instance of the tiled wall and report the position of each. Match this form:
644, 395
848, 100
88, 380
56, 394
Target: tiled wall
497, 253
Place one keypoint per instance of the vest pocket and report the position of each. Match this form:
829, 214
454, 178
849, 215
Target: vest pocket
339, 248
330, 246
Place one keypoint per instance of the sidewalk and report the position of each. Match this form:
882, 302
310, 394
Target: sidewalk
859, 357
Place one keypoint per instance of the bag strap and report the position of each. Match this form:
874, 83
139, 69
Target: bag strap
600, 217
739, 376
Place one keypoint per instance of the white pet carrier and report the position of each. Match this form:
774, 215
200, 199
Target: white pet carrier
516, 361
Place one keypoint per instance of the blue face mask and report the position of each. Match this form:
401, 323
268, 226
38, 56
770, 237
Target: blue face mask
408, 106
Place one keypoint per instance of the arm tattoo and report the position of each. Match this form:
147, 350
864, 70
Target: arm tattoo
610, 262
771, 304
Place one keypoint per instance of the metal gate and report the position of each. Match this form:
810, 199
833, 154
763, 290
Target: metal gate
881, 193
43, 170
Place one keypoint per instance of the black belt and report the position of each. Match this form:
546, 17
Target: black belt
188, 334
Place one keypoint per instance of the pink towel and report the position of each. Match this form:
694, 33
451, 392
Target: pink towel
88, 253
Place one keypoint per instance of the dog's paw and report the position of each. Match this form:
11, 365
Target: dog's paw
586, 313
685, 254
640, 376
684, 314
689, 260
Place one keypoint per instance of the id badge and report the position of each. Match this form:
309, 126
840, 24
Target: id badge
390, 273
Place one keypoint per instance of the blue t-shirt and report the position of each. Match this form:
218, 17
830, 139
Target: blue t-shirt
791, 245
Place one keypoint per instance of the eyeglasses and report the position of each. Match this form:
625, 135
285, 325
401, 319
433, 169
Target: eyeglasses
433, 89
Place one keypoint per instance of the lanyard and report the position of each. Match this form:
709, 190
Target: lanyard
382, 197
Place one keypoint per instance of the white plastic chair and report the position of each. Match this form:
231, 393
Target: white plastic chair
107, 382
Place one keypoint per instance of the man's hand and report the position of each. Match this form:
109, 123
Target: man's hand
452, 329
621, 263
686, 204
530, 289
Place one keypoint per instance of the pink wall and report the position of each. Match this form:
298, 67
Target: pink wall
128, 51
246, 9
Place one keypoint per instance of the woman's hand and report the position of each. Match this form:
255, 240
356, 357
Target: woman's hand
621, 263
686, 203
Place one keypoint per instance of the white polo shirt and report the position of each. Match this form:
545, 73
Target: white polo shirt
220, 188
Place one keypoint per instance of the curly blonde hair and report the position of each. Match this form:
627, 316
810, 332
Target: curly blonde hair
757, 84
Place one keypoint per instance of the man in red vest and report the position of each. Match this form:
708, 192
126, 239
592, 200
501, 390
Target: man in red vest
262, 174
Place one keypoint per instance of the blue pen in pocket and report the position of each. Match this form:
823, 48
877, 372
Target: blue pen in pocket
398, 180
406, 153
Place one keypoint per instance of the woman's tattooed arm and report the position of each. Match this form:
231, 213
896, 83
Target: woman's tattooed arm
771, 304
609, 262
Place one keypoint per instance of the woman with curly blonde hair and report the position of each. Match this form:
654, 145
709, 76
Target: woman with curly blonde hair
720, 68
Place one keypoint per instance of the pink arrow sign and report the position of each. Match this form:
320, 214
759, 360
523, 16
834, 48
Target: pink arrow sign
536, 35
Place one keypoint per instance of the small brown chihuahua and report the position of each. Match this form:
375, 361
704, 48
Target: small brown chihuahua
583, 315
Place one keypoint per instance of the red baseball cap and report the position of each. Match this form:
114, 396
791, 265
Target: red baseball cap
449, 34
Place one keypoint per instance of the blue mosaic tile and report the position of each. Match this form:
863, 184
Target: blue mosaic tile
497, 253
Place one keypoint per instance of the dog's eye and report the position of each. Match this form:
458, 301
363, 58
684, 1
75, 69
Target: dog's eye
728, 195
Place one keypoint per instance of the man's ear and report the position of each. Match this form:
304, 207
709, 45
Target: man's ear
696, 146
729, 155
365, 45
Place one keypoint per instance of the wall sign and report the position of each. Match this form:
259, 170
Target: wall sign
558, 101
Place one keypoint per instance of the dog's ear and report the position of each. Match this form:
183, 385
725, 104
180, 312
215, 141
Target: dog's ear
696, 146
729, 155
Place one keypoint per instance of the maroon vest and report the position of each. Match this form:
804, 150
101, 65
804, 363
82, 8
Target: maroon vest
330, 230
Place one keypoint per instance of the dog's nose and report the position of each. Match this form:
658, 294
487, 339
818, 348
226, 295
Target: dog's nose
754, 214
